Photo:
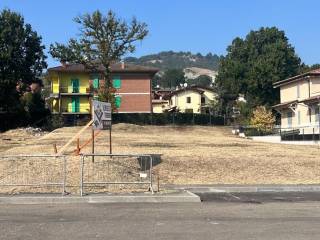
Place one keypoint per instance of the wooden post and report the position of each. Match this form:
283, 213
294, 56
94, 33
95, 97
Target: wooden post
92, 134
78, 146
55, 148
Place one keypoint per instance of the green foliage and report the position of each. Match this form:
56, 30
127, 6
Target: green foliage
54, 121
245, 113
177, 60
203, 81
307, 68
172, 78
34, 107
103, 39
21, 58
167, 118
253, 64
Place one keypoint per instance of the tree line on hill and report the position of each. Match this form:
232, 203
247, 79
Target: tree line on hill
172, 78
250, 67
177, 60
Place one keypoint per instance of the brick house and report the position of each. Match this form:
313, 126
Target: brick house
72, 84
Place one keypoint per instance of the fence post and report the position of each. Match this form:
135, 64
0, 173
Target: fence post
64, 175
312, 134
150, 173
81, 175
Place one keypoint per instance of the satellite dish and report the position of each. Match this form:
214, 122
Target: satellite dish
185, 84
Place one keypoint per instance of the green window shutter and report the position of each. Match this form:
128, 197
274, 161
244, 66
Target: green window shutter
75, 104
118, 101
75, 85
116, 82
95, 79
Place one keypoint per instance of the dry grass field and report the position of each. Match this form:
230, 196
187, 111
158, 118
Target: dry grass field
191, 155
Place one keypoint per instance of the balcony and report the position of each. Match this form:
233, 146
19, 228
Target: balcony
75, 111
75, 91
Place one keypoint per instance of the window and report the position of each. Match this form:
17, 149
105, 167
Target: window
316, 113
298, 91
203, 100
116, 82
188, 99
289, 117
117, 101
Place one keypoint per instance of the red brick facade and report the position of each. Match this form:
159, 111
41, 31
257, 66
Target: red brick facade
135, 92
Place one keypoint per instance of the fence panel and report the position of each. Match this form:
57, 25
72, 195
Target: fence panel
120, 170
32, 173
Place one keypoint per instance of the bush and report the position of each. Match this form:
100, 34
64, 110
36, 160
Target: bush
262, 119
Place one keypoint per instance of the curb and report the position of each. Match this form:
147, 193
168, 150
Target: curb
182, 197
246, 188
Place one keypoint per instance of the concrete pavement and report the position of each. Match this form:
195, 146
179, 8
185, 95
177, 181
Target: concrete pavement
237, 188
174, 196
185, 221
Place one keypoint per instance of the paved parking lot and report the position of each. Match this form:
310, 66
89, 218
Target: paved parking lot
209, 220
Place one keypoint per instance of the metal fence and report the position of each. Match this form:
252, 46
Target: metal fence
297, 133
103, 170
36, 171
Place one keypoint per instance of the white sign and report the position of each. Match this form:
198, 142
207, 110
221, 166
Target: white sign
101, 115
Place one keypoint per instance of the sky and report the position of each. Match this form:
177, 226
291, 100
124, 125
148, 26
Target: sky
182, 25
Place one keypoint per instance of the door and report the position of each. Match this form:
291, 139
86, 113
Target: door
75, 85
75, 104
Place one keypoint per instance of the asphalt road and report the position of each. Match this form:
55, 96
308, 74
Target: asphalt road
259, 197
209, 220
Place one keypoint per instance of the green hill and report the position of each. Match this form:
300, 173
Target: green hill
177, 60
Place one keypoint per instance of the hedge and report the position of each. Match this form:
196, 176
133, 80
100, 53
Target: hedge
167, 118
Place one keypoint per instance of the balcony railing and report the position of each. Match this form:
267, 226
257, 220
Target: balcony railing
74, 90
74, 111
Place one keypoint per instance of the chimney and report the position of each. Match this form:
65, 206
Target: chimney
122, 64
63, 63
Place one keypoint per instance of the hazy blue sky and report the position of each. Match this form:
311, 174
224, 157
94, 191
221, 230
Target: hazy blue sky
183, 25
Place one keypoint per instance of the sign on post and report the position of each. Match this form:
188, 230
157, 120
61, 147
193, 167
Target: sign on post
101, 115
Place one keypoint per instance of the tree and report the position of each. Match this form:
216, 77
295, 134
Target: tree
103, 40
21, 58
253, 64
172, 78
262, 119
202, 80
34, 106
